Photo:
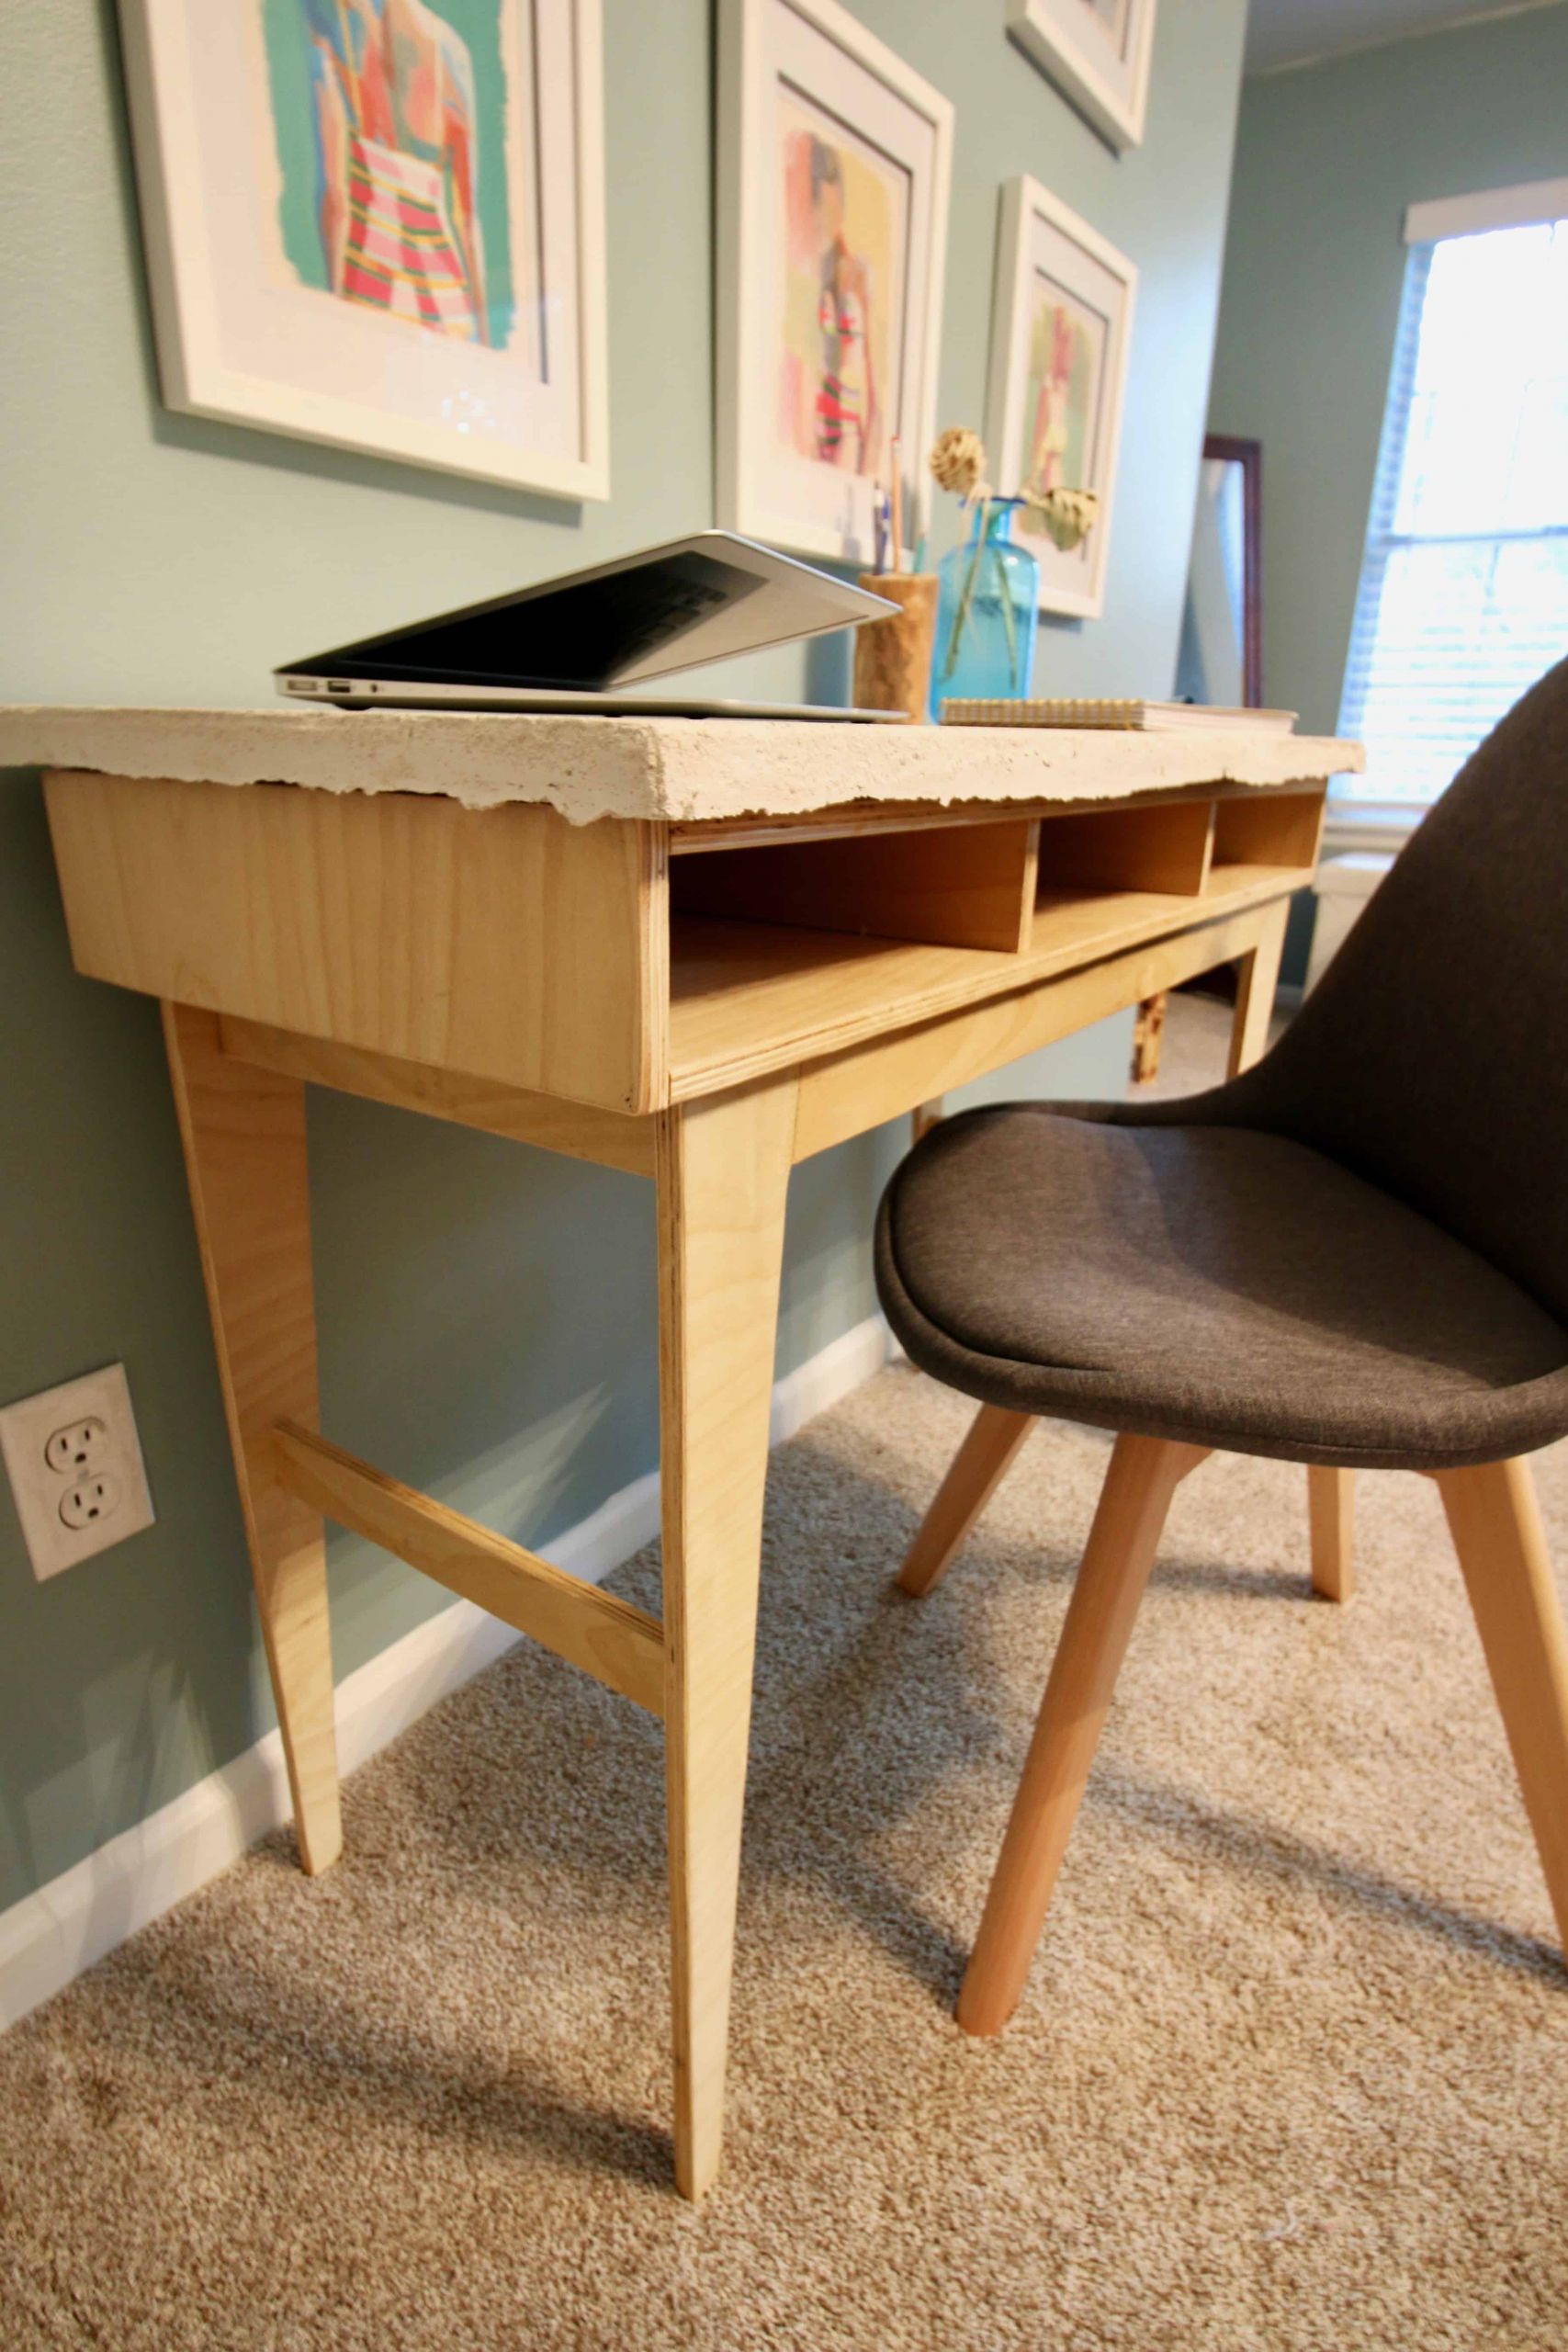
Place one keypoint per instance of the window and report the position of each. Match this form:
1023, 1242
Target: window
1464, 599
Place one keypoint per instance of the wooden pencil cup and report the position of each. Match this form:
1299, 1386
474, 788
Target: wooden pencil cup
893, 657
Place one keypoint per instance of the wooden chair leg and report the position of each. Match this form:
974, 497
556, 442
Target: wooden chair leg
723, 1170
1495, 1522
978, 1468
244, 1131
1145, 1472
1331, 1503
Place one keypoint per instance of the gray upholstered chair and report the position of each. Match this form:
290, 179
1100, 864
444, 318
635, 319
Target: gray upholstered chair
1355, 1255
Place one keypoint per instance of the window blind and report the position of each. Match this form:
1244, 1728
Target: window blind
1463, 596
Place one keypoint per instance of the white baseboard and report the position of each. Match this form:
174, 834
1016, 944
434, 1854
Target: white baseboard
52, 1936
823, 1378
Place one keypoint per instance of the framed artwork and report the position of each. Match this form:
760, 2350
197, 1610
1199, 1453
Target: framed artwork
834, 161
1098, 51
1060, 331
379, 223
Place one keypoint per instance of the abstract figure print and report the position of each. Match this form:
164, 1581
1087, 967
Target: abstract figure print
1062, 390
845, 213
389, 122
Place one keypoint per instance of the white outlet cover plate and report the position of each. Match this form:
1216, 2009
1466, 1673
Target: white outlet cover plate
26, 1429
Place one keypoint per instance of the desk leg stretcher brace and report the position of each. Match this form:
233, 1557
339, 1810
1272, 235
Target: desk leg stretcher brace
722, 1173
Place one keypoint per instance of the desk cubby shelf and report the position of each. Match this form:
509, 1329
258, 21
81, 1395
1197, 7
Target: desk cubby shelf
789, 949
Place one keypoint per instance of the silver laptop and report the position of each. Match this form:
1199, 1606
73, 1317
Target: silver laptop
585, 642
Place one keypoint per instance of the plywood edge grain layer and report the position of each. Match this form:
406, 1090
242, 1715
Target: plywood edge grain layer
677, 771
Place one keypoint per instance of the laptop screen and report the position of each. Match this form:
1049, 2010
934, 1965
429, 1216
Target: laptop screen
584, 635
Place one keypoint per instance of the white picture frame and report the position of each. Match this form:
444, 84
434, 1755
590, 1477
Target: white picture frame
319, 269
1059, 422
816, 120
1098, 53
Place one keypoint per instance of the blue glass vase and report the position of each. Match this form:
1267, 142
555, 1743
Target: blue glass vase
987, 612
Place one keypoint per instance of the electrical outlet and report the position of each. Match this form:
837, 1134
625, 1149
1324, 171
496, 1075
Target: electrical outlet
75, 1467
76, 1447
88, 1500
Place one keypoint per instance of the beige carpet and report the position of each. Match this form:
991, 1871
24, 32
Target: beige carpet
1292, 2069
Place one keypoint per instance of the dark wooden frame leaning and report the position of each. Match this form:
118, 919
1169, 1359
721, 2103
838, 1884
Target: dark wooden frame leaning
1230, 449
1248, 454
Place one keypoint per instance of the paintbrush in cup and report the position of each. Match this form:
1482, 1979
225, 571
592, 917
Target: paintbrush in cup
896, 516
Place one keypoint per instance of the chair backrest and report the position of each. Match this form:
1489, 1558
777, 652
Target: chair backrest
1432, 1057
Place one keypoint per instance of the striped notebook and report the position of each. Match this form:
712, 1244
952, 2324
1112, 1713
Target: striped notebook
1063, 710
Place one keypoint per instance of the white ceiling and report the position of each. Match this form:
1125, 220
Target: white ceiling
1290, 32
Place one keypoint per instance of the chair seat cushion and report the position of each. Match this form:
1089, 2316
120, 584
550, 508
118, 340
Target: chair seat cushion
1217, 1284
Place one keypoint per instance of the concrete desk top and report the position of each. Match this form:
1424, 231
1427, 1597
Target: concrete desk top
681, 771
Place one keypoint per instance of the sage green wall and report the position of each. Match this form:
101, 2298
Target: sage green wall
1327, 157
487, 1311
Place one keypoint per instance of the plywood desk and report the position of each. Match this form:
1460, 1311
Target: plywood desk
700, 951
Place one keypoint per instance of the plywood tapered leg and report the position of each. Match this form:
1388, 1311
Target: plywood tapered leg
978, 1469
1145, 1472
723, 1170
1331, 1501
1495, 1522
1258, 984
244, 1131
1148, 1036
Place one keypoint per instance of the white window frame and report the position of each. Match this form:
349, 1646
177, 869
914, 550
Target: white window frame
1368, 824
